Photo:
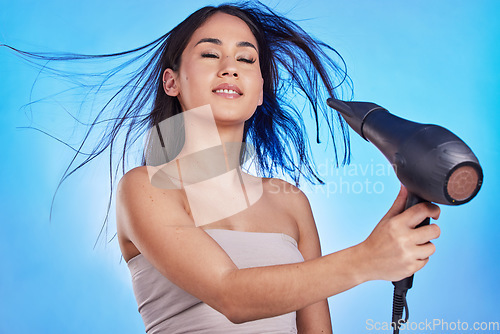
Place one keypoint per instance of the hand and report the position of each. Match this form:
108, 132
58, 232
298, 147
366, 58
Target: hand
395, 249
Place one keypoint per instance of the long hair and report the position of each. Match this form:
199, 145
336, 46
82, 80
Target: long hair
291, 62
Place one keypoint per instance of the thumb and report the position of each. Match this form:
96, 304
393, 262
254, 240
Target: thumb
399, 204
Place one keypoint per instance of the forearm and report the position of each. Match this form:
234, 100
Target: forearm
314, 319
262, 292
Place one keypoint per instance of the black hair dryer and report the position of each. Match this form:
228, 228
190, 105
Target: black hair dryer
429, 160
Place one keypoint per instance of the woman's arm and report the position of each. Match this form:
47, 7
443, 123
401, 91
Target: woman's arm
156, 222
314, 318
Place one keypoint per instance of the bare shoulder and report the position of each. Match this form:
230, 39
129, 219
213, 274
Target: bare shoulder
129, 188
133, 177
137, 195
138, 202
298, 206
136, 183
287, 194
139, 176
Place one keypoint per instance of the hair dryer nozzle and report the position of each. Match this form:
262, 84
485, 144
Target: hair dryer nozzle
340, 106
354, 113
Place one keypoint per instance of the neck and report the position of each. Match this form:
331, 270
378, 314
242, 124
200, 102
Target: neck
209, 148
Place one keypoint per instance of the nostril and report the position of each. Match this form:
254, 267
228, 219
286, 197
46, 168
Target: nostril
234, 74
226, 73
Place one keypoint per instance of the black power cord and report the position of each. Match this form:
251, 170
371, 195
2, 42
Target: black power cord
399, 305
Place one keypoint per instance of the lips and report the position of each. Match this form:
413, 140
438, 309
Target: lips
228, 90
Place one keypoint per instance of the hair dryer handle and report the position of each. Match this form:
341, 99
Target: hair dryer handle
402, 286
411, 200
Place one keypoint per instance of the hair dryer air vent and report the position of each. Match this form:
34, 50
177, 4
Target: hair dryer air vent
463, 183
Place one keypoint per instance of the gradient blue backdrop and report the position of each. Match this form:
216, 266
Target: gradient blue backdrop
430, 61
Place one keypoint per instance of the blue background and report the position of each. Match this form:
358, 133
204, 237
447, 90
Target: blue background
429, 61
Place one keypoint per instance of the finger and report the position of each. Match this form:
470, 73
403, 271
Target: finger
399, 203
425, 251
421, 264
426, 233
417, 213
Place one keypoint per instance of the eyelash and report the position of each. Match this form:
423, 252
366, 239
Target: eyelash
213, 55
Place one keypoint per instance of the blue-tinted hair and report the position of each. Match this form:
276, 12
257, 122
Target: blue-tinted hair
292, 63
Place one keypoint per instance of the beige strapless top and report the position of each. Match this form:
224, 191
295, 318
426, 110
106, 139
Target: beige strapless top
166, 308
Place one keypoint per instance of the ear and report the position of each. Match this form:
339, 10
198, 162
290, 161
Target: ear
261, 95
170, 82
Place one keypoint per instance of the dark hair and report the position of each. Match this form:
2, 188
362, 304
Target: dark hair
291, 61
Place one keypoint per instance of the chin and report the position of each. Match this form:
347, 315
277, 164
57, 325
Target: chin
231, 115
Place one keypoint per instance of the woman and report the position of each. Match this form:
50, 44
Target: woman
212, 249
249, 269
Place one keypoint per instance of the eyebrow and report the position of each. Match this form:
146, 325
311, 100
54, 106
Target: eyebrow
219, 42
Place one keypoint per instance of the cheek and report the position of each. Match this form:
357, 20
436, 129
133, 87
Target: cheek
196, 77
257, 85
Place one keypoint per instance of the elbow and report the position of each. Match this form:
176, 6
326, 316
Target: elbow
233, 312
233, 304
236, 319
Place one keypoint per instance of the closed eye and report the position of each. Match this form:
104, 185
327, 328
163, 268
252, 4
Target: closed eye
215, 56
209, 55
245, 60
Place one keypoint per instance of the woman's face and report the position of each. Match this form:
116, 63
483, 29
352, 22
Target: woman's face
219, 66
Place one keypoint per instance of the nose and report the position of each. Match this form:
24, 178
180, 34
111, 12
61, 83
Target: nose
228, 68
